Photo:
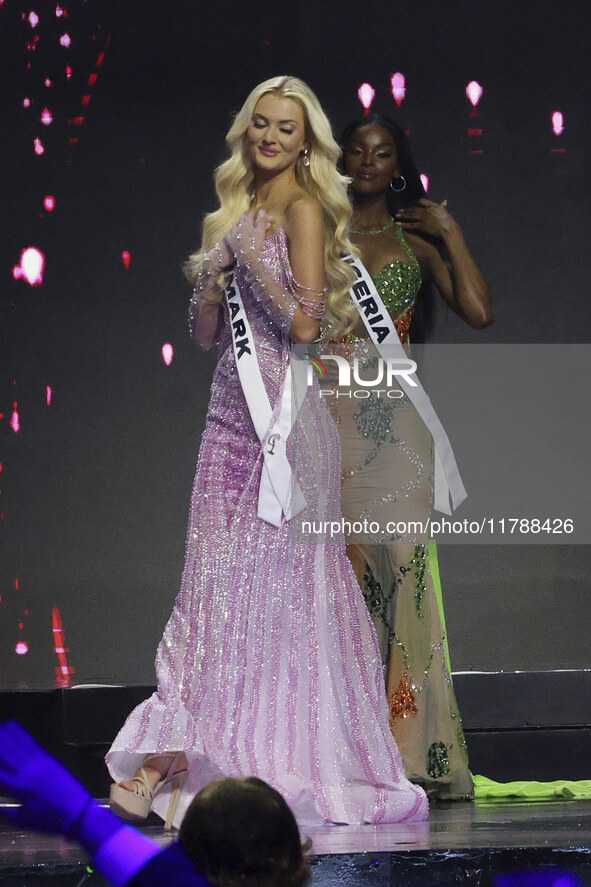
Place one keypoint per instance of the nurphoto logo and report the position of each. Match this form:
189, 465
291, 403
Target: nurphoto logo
388, 369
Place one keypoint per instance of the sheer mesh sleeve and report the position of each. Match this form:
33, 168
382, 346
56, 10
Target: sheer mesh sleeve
206, 316
279, 302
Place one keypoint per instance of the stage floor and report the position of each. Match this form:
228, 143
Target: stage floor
461, 842
457, 825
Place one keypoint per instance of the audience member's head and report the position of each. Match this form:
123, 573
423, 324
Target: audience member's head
241, 832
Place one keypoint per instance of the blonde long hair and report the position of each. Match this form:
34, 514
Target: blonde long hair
234, 181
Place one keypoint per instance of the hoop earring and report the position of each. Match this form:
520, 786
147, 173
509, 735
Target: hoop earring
306, 160
398, 190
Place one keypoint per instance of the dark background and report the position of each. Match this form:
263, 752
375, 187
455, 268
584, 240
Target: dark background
95, 488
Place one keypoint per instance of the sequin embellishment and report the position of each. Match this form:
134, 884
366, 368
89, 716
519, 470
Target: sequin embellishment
262, 613
419, 562
372, 592
437, 760
463, 745
374, 420
398, 283
402, 701
379, 602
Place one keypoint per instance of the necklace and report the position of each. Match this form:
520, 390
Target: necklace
386, 227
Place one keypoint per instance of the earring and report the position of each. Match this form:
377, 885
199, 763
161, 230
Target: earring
399, 179
306, 160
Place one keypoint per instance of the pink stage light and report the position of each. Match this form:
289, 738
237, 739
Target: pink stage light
49, 203
38, 146
474, 92
425, 180
26, 103
65, 40
366, 94
15, 421
68, 72
126, 256
21, 648
46, 117
48, 82
31, 267
59, 11
48, 394
33, 19
167, 353
557, 123
398, 87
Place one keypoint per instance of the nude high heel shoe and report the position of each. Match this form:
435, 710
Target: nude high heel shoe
136, 803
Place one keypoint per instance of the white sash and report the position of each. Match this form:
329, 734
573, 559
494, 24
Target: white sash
280, 496
380, 326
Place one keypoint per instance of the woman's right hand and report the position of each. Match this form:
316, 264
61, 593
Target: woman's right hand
245, 239
427, 217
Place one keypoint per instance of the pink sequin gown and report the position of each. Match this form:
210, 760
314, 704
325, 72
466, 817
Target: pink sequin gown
269, 665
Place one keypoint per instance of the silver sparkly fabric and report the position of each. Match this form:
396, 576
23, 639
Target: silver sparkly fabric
269, 665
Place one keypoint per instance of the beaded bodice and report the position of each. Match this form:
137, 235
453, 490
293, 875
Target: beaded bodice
398, 283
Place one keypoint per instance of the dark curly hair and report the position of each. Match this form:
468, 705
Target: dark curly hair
241, 833
423, 319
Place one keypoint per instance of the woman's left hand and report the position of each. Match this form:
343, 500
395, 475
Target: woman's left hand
248, 235
427, 217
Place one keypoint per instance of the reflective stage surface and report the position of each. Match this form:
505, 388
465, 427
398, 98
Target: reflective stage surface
462, 843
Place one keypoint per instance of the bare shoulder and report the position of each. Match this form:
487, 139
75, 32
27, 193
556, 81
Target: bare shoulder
421, 247
304, 226
429, 257
304, 212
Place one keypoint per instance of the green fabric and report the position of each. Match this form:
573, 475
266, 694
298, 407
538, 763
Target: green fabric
434, 568
560, 790
487, 789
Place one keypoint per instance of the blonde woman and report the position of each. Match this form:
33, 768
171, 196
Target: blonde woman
269, 665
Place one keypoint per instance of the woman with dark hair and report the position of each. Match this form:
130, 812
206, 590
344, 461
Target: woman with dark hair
235, 832
242, 832
410, 246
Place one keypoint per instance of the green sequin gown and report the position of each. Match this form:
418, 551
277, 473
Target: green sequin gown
387, 463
